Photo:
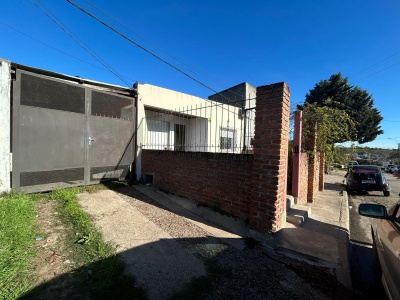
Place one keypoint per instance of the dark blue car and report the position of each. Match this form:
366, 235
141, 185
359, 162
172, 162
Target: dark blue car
366, 178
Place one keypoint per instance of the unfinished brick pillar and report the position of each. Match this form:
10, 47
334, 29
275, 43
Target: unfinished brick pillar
321, 171
296, 153
313, 168
268, 205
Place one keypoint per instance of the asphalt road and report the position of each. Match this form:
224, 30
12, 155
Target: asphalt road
361, 239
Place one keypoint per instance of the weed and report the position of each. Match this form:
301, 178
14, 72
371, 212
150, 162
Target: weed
98, 268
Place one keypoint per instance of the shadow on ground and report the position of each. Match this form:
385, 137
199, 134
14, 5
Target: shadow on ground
224, 272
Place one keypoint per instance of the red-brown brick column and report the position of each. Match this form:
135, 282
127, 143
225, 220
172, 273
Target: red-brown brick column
298, 114
321, 171
313, 168
268, 205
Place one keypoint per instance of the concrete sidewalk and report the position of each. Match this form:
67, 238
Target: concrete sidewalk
323, 239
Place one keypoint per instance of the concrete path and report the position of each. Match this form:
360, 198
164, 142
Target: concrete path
163, 266
159, 263
324, 236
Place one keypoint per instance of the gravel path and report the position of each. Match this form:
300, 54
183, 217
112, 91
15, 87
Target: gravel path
251, 273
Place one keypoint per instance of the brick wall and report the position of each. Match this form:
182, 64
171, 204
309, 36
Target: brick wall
249, 186
303, 190
311, 177
218, 180
268, 209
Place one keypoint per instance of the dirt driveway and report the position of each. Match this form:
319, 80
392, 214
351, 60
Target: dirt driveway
170, 250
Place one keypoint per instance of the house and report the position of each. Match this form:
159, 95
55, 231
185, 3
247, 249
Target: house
174, 121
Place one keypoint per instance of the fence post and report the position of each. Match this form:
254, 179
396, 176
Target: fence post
269, 175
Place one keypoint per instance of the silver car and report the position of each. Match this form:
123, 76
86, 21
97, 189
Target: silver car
386, 244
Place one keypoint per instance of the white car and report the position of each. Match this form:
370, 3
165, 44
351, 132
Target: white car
391, 168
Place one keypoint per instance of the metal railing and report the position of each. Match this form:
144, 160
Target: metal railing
205, 127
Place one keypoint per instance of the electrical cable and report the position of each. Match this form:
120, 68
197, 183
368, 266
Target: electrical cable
58, 50
144, 49
367, 68
196, 70
77, 40
377, 72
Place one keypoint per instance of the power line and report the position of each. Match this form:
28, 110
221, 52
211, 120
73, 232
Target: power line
141, 47
77, 40
58, 50
377, 72
192, 69
152, 54
386, 58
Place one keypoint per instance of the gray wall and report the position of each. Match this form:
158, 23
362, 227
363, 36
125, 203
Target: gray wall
5, 132
235, 95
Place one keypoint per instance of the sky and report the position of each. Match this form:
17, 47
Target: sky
218, 43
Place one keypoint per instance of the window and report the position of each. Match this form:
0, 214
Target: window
158, 134
179, 137
227, 138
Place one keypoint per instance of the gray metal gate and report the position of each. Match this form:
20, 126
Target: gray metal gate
66, 134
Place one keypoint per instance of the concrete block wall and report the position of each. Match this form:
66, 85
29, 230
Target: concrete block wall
5, 126
249, 186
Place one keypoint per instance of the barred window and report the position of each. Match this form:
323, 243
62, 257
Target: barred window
227, 138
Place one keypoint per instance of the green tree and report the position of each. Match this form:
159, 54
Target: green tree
357, 103
323, 126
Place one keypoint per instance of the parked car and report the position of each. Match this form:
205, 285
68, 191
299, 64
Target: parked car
338, 165
367, 178
352, 163
386, 245
391, 168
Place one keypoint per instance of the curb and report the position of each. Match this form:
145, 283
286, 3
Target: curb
343, 268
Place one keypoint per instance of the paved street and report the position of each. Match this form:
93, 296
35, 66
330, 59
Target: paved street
361, 240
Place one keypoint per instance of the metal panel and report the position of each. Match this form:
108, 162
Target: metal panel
39, 91
51, 139
52, 122
111, 131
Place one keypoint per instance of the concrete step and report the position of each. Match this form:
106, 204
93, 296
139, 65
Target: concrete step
290, 201
298, 214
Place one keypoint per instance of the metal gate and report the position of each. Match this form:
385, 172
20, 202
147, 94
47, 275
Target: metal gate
66, 134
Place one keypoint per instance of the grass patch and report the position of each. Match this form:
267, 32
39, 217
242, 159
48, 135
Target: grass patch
98, 268
17, 233
200, 286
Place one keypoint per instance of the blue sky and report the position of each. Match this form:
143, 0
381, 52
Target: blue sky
220, 43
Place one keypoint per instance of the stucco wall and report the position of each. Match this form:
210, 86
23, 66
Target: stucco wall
203, 120
5, 155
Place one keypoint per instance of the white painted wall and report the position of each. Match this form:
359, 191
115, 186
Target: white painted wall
5, 132
203, 121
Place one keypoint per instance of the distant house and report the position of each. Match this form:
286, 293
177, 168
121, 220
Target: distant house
173, 121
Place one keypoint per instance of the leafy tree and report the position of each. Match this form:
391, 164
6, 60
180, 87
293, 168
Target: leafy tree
323, 126
357, 103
